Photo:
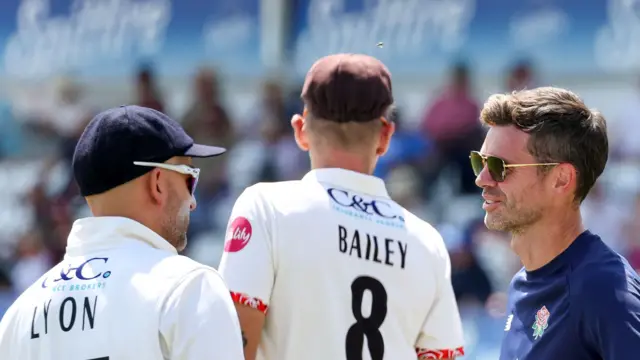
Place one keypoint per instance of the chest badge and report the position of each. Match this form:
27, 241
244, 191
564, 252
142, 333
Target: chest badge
541, 324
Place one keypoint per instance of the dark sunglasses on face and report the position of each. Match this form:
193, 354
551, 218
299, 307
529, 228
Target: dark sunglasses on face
496, 166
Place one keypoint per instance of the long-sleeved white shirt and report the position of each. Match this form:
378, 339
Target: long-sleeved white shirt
122, 292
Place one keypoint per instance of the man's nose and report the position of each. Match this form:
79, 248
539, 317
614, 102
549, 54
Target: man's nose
484, 179
194, 203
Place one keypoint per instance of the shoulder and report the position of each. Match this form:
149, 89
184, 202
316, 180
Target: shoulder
203, 276
427, 243
273, 189
427, 236
182, 265
608, 283
281, 198
271, 193
196, 278
178, 268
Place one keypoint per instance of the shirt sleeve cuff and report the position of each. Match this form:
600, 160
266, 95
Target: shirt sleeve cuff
252, 302
439, 353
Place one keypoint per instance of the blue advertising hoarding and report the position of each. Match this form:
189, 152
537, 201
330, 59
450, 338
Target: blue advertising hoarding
110, 37
422, 37
419, 37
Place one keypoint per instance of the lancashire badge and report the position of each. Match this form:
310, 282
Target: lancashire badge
541, 324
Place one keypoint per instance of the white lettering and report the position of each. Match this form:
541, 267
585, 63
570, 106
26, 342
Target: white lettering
617, 43
94, 30
229, 33
241, 233
538, 28
405, 26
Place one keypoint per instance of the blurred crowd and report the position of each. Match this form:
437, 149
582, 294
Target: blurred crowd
426, 169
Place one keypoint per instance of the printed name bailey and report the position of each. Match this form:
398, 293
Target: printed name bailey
369, 247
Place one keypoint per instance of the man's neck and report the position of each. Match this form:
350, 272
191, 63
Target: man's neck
345, 161
539, 244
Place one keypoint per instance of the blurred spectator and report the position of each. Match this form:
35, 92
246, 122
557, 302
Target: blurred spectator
61, 117
624, 132
207, 121
406, 147
280, 158
294, 104
70, 112
7, 292
520, 77
403, 184
148, 94
493, 251
271, 108
604, 216
470, 281
32, 260
451, 123
631, 234
70, 115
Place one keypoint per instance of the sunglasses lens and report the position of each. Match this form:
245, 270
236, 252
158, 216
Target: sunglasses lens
495, 165
477, 164
191, 184
496, 168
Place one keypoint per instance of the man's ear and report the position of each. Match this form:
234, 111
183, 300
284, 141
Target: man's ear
300, 132
565, 178
157, 186
387, 131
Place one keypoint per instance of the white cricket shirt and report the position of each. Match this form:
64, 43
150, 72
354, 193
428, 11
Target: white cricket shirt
122, 292
341, 271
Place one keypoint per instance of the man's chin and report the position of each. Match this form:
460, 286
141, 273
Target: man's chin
492, 222
182, 244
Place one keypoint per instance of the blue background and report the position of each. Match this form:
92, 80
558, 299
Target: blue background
182, 50
488, 44
487, 40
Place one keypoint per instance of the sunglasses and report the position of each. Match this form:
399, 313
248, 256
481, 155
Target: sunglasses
194, 173
496, 166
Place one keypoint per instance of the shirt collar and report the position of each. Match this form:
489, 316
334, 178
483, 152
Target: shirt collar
107, 231
364, 183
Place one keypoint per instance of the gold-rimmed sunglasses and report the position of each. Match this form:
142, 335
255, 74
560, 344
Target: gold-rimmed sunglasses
496, 166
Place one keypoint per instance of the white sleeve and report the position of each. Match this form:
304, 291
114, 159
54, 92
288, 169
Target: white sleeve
247, 264
199, 321
441, 336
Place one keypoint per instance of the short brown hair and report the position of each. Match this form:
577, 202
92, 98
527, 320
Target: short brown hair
562, 128
345, 88
345, 96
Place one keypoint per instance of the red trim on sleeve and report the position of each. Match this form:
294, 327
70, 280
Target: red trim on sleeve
439, 354
252, 302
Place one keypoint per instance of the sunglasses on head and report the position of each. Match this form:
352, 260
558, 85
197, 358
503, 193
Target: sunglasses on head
496, 166
194, 173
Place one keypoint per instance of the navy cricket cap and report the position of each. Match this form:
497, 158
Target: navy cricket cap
348, 87
117, 137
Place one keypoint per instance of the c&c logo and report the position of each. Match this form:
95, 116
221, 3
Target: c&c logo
356, 202
80, 273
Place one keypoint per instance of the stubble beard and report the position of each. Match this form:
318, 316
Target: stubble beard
511, 219
176, 224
